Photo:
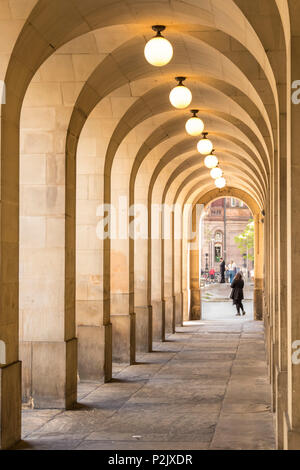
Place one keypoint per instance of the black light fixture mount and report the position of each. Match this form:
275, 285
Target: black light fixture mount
158, 28
180, 80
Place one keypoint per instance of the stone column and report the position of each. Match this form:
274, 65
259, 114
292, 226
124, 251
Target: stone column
167, 289
282, 384
177, 270
185, 255
10, 367
93, 330
48, 345
122, 305
142, 310
259, 266
122, 313
266, 298
155, 274
195, 310
292, 415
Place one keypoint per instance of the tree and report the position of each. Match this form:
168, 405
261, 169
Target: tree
245, 241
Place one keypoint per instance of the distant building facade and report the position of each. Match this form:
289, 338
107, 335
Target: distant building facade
236, 217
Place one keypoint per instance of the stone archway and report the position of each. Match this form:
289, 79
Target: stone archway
256, 210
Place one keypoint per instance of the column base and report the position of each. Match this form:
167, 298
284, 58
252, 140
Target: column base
178, 298
291, 437
258, 300
108, 353
123, 338
10, 405
50, 374
281, 405
158, 320
143, 329
196, 308
169, 316
185, 303
93, 343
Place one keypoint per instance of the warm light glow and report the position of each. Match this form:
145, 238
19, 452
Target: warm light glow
181, 97
205, 146
195, 125
220, 183
216, 173
211, 161
158, 51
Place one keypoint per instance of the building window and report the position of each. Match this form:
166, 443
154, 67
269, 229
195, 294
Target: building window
218, 253
233, 202
219, 237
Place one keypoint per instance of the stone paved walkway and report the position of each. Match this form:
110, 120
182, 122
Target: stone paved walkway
205, 388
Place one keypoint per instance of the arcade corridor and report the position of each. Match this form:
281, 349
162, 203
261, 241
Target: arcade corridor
121, 121
207, 387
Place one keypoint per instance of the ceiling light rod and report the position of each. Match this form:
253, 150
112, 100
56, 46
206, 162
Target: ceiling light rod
195, 112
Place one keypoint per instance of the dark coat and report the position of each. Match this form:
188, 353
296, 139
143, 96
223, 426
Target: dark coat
237, 293
222, 267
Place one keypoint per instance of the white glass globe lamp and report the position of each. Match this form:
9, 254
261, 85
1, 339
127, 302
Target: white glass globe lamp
211, 161
205, 145
158, 51
220, 183
181, 97
195, 125
216, 173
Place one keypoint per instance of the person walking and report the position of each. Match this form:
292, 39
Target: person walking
237, 293
234, 268
222, 270
212, 274
227, 275
229, 268
232, 271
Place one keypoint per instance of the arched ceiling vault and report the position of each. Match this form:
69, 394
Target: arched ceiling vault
215, 194
190, 170
117, 66
271, 23
232, 66
157, 101
191, 161
187, 144
200, 176
200, 191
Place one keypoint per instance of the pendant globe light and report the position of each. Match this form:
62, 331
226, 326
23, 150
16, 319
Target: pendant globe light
205, 146
195, 125
211, 161
220, 183
158, 51
216, 173
181, 97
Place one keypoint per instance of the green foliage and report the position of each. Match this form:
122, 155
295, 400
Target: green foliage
245, 241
